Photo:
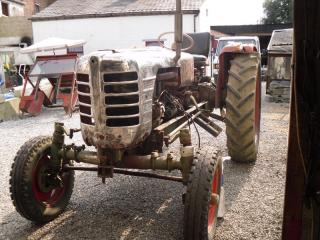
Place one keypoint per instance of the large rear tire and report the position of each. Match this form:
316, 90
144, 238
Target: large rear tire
243, 104
203, 196
33, 194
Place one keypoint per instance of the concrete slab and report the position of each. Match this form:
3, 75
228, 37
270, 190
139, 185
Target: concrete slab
9, 109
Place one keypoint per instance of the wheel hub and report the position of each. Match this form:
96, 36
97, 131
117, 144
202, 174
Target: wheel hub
47, 184
214, 199
48, 180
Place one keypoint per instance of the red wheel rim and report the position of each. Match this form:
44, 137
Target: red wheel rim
257, 109
48, 198
213, 208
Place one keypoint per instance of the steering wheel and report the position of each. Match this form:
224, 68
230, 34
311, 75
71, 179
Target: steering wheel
183, 49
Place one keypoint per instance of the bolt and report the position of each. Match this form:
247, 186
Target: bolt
214, 200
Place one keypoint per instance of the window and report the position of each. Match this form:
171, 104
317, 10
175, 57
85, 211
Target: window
53, 67
36, 8
5, 8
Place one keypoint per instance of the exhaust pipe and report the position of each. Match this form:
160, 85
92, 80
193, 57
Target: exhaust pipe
178, 31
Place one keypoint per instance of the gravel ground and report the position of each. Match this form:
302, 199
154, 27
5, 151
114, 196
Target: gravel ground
139, 208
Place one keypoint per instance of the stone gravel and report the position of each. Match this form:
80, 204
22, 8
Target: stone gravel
141, 208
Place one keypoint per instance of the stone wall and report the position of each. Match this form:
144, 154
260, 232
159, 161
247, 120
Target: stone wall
14, 28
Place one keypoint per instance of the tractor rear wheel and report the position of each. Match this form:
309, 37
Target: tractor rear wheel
243, 106
203, 196
38, 194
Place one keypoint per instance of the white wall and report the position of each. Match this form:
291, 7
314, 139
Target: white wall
15, 9
206, 16
112, 32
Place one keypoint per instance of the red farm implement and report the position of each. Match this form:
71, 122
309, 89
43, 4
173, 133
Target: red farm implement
50, 82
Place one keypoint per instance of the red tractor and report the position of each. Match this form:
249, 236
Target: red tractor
133, 105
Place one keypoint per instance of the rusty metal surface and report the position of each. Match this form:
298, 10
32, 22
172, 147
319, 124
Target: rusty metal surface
59, 70
178, 37
146, 63
153, 161
205, 125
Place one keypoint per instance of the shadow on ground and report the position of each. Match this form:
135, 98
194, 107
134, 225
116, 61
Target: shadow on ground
126, 208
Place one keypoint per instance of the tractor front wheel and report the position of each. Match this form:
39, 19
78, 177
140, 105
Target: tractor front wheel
243, 104
203, 196
38, 193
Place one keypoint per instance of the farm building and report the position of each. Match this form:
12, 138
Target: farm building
118, 23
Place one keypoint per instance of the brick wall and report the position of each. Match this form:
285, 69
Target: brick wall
29, 7
15, 27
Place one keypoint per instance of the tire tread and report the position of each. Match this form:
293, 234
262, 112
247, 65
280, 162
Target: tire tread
241, 109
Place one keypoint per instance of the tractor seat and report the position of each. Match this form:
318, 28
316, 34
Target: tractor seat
201, 48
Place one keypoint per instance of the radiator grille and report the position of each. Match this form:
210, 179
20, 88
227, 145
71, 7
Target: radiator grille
122, 99
84, 92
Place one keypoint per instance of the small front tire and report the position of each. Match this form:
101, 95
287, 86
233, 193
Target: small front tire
32, 195
202, 197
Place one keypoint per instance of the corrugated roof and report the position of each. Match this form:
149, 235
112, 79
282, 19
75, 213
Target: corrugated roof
66, 9
281, 41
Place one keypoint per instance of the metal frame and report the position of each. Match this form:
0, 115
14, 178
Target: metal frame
169, 131
32, 104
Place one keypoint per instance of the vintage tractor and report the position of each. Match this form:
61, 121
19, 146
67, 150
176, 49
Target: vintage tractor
133, 105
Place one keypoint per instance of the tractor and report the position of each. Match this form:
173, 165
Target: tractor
133, 105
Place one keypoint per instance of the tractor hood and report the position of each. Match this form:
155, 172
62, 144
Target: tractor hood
116, 90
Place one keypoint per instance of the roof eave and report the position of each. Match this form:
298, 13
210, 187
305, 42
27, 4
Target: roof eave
15, 1
126, 14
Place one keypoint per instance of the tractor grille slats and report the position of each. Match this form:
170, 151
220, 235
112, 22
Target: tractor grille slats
121, 99
84, 91
120, 77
